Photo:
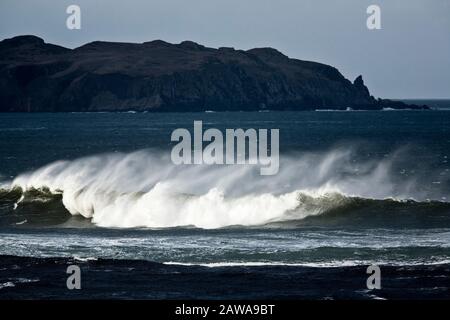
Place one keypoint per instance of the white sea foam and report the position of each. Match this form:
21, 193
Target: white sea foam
346, 263
328, 264
8, 284
144, 189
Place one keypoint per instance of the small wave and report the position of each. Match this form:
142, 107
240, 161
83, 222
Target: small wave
328, 264
348, 109
269, 264
394, 109
13, 282
8, 284
84, 259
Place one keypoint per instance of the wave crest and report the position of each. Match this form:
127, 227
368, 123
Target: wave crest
143, 189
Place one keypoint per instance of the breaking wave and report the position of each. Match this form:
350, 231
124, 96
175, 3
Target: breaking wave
144, 189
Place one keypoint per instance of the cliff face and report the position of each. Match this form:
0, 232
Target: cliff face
159, 76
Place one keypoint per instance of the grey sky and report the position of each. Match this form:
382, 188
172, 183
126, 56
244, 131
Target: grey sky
408, 58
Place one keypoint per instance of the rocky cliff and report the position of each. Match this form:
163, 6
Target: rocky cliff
159, 76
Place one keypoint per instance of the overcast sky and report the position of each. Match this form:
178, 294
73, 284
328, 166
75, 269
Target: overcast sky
408, 58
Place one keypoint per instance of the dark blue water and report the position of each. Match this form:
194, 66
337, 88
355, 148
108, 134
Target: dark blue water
354, 189
28, 141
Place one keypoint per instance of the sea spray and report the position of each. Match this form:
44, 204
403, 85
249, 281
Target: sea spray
144, 189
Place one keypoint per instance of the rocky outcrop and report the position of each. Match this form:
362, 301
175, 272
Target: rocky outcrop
159, 76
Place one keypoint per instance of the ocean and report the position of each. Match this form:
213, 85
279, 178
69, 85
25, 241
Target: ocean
98, 190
